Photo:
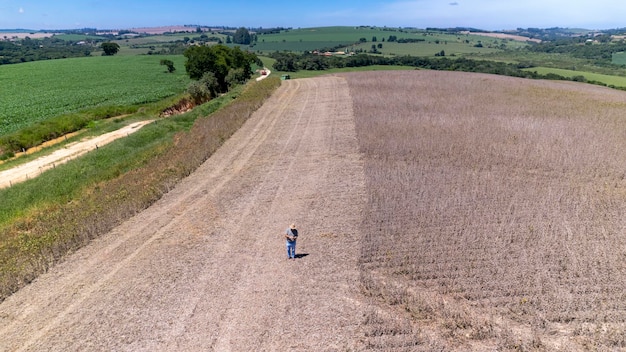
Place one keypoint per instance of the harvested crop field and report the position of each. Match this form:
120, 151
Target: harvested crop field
437, 211
496, 207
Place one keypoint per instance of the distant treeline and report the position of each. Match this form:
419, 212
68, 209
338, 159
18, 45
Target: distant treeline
27, 49
291, 62
393, 38
262, 31
582, 49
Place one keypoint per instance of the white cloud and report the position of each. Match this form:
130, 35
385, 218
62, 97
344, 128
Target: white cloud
21, 10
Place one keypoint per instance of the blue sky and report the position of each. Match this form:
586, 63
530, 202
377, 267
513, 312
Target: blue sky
484, 14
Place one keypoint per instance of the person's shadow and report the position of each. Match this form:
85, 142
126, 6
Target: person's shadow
301, 255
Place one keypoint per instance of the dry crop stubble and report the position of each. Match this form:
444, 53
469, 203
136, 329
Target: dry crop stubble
496, 207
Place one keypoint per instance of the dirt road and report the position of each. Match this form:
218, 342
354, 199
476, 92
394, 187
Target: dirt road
205, 269
71, 151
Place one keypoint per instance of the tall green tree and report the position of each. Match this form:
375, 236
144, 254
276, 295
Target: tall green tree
110, 48
169, 64
242, 36
219, 60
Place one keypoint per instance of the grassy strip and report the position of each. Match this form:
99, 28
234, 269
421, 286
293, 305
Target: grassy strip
608, 80
35, 238
50, 129
268, 62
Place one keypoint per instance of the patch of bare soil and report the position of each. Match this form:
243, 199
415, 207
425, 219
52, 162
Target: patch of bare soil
181, 107
206, 267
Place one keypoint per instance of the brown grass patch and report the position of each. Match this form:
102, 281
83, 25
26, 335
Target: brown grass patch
496, 207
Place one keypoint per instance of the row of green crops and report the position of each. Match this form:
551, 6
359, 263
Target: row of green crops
37, 91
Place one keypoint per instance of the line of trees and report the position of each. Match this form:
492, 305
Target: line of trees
291, 62
27, 49
578, 48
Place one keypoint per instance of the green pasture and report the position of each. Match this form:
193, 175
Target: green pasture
153, 39
568, 63
307, 39
619, 58
141, 45
353, 34
36, 91
126, 50
298, 46
609, 80
326, 34
388, 48
163, 38
424, 48
77, 37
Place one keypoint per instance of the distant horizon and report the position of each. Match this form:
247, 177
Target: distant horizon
29, 30
490, 15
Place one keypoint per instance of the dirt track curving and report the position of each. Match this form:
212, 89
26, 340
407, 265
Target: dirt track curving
71, 151
205, 268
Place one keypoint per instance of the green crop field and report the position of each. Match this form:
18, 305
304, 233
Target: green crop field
297, 46
616, 81
619, 58
143, 44
77, 37
425, 48
329, 34
156, 40
37, 91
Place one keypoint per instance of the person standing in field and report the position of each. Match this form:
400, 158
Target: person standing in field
291, 235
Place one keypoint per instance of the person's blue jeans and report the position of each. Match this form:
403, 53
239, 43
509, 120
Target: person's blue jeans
291, 249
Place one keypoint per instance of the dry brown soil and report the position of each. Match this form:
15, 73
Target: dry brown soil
205, 268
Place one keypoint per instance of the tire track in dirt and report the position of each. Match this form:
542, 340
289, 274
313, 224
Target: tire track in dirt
238, 156
205, 267
258, 135
232, 314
